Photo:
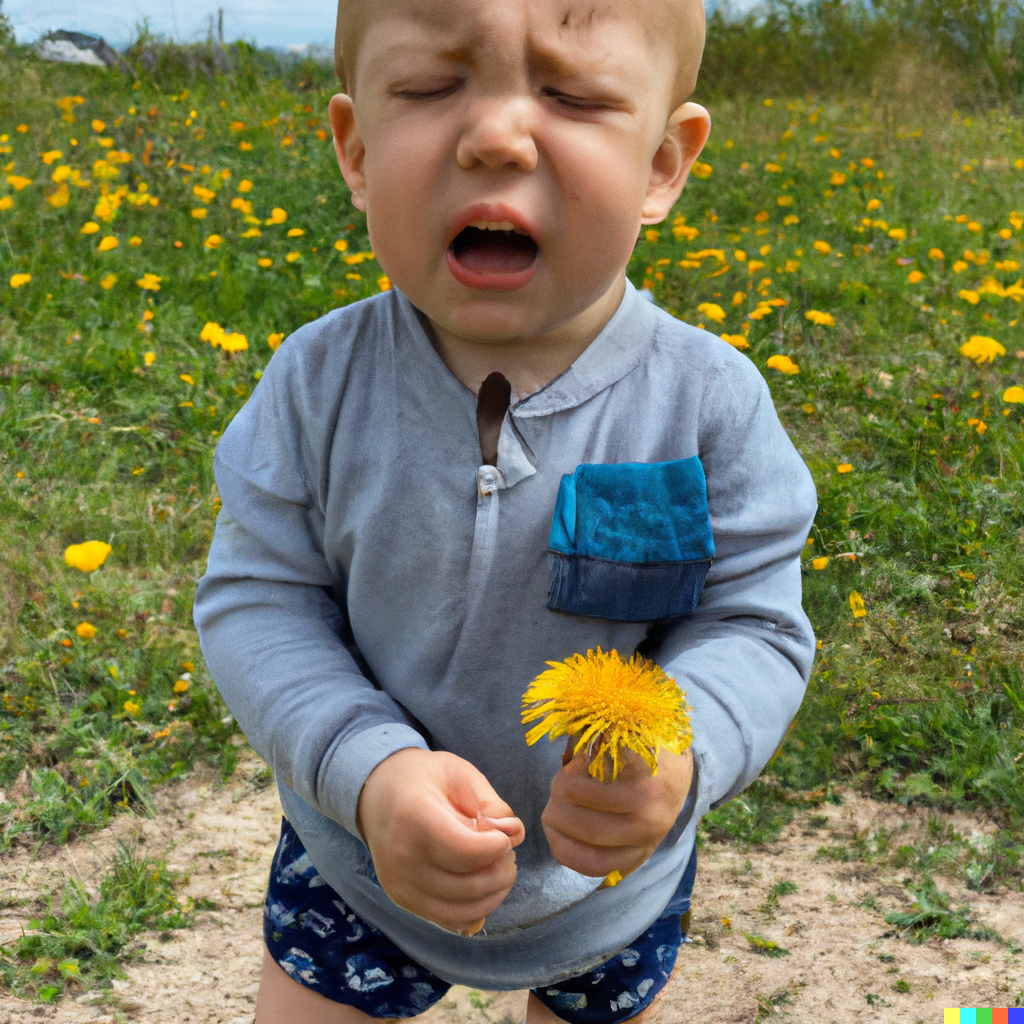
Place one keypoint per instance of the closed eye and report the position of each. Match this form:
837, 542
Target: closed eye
574, 102
427, 92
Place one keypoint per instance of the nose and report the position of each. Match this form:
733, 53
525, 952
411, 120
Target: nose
498, 135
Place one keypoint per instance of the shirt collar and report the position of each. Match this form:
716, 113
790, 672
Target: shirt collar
607, 359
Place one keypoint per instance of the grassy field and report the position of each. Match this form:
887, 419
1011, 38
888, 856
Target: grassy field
157, 243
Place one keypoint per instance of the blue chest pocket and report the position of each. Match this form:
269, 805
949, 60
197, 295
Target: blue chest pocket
630, 541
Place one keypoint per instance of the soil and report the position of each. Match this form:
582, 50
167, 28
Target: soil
841, 965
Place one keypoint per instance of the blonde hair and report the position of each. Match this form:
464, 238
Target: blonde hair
683, 19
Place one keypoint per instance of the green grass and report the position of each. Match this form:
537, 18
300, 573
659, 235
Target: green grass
83, 938
111, 405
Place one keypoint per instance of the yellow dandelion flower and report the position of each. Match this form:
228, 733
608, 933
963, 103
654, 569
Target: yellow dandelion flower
149, 358
844, 467
651, 234
265, 261
108, 282
712, 311
897, 234
1014, 395
86, 630
915, 276
132, 707
857, 605
277, 216
823, 247
89, 228
936, 254
736, 340
17, 280
135, 241
200, 212
234, 342
816, 316
820, 562
292, 257
181, 686
88, 556
149, 282
6, 203
608, 706
783, 364
384, 283
108, 243
701, 169
17, 182
969, 295
274, 340
982, 349
212, 241
245, 185
341, 245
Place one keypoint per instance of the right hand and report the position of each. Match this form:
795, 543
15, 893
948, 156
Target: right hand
418, 813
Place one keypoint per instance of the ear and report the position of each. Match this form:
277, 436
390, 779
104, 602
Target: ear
349, 147
685, 134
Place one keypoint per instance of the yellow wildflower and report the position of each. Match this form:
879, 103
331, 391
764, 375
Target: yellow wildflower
181, 686
790, 219
823, 247
264, 261
149, 282
234, 342
149, 358
200, 212
213, 333
844, 467
915, 276
212, 242
783, 364
89, 228
857, 605
712, 311
108, 243
982, 349
6, 202
820, 562
837, 178
936, 254
1014, 395
898, 234
274, 340
341, 245
651, 234
17, 182
86, 630
816, 316
701, 169
205, 195
132, 707
736, 340
88, 556
245, 185
277, 216
108, 282
608, 706
292, 257
968, 295
17, 280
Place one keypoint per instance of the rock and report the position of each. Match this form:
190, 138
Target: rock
79, 48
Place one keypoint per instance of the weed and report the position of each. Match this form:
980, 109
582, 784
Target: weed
759, 944
83, 939
933, 914
752, 819
783, 887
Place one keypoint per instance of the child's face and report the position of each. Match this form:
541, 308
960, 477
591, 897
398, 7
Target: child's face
507, 153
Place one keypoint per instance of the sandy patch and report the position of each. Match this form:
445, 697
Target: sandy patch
839, 969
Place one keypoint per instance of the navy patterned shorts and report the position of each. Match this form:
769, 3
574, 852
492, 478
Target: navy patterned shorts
322, 943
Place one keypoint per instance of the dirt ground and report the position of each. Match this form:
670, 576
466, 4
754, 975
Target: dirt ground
224, 837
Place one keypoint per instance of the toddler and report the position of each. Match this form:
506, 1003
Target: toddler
508, 458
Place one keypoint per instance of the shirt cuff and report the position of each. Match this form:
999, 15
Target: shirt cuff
348, 765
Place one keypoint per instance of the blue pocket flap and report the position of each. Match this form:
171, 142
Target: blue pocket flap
630, 541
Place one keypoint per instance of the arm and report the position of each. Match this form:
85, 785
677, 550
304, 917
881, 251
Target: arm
274, 638
743, 656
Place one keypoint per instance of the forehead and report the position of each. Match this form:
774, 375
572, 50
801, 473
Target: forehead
597, 32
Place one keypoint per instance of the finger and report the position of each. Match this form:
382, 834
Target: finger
455, 846
510, 826
595, 861
478, 886
456, 916
599, 828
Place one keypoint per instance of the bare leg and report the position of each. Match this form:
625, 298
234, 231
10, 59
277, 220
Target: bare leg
284, 1001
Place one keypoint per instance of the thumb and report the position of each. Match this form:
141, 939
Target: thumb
472, 796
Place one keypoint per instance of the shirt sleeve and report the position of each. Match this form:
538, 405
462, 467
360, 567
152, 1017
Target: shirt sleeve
744, 655
272, 632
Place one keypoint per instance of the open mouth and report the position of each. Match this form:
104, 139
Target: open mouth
493, 249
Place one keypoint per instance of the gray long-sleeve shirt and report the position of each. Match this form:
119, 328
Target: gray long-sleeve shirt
371, 586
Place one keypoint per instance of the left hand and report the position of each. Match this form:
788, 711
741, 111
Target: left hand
596, 827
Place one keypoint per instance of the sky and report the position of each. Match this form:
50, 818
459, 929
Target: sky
263, 22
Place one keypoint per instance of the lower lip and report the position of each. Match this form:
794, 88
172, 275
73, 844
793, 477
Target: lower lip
491, 282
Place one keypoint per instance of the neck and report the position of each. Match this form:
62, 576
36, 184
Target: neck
527, 363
